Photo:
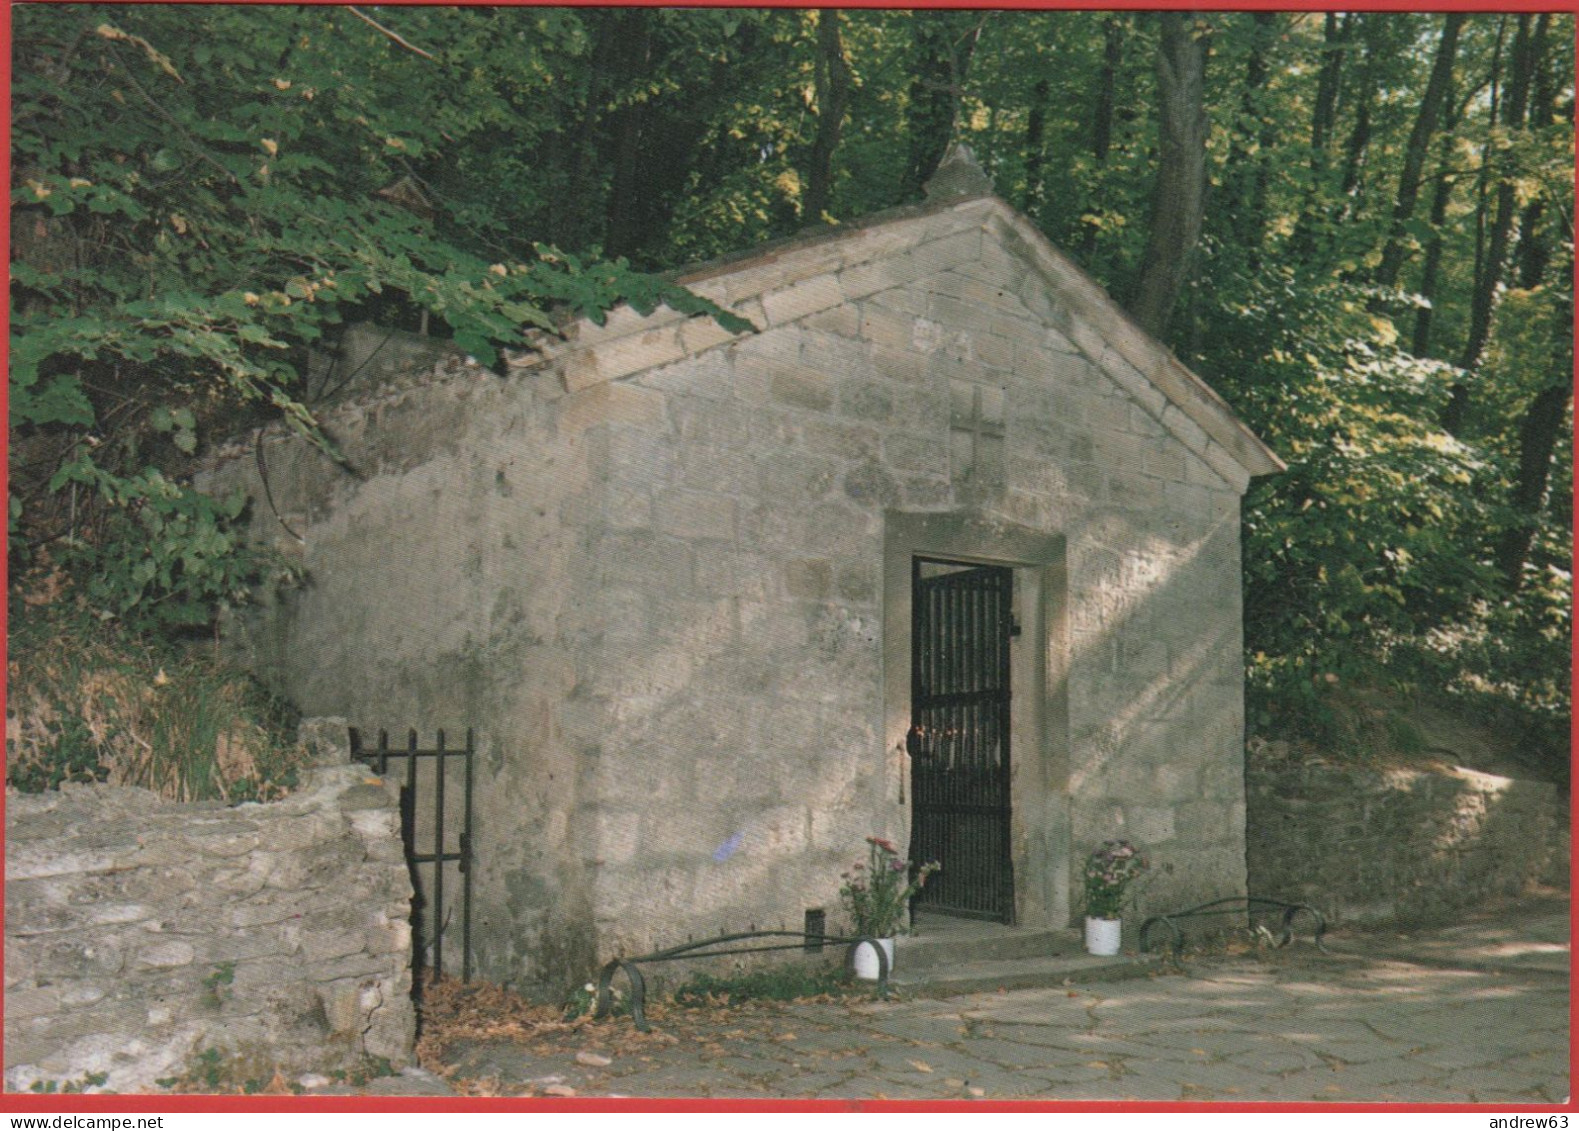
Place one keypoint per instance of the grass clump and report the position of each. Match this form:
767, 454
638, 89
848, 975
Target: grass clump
777, 983
90, 702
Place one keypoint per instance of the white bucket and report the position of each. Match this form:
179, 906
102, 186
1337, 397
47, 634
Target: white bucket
1103, 935
865, 960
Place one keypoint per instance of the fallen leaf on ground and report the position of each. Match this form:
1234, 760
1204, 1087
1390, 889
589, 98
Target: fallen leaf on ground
977, 1092
559, 1090
593, 1059
920, 1065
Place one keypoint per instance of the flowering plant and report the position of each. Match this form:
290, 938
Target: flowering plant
877, 892
1110, 870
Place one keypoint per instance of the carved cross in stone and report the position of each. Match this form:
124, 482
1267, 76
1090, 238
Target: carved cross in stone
976, 416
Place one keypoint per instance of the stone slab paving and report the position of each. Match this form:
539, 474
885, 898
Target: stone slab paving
1291, 1025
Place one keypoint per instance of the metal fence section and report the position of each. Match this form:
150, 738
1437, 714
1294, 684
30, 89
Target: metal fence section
436, 828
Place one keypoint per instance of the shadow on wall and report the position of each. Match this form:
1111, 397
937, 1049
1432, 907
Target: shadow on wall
1381, 846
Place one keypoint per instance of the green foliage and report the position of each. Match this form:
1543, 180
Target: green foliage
877, 891
583, 1002
87, 1081
214, 985
201, 195
197, 208
787, 982
1368, 560
250, 1071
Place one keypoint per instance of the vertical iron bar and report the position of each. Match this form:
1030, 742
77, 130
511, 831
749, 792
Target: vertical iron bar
383, 753
959, 620
1005, 725
409, 835
917, 717
439, 921
981, 823
466, 869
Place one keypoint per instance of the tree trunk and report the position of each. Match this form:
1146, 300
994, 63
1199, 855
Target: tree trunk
1335, 46
1534, 247
944, 43
1359, 143
1178, 201
1035, 142
1538, 435
1431, 104
1102, 117
571, 223
1441, 197
1324, 116
1251, 146
632, 32
1484, 300
833, 99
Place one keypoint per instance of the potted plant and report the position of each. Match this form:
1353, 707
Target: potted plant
877, 894
1110, 870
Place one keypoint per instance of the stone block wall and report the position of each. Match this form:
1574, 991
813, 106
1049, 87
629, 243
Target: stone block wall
735, 687
441, 594
1378, 846
646, 565
140, 934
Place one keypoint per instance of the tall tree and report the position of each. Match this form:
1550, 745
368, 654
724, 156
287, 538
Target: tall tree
1488, 282
1179, 197
1437, 93
1441, 195
1541, 425
1540, 428
943, 43
832, 80
1035, 145
1250, 148
1366, 83
1336, 40
1102, 114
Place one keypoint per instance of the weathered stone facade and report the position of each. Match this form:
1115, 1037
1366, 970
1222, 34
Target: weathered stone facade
141, 934
1381, 846
663, 570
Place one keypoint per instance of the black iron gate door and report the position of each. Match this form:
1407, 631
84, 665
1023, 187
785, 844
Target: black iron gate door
962, 620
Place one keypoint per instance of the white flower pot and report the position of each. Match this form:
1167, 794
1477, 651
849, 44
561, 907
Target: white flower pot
865, 959
1103, 935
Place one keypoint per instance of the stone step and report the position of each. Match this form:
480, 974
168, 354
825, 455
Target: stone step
991, 975
962, 941
944, 956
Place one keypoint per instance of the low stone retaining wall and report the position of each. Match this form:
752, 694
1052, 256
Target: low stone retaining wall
147, 940
1374, 846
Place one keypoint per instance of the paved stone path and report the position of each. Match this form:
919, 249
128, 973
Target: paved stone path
1474, 1013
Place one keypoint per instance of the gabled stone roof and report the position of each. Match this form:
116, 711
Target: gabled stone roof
782, 283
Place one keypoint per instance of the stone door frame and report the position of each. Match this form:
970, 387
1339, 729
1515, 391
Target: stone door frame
1039, 667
